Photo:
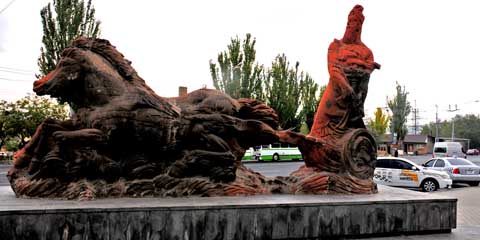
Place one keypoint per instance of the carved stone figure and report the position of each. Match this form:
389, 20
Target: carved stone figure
338, 141
122, 130
125, 140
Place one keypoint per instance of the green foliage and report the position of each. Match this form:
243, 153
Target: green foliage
11, 144
19, 120
467, 126
400, 108
69, 20
237, 74
378, 125
310, 100
283, 88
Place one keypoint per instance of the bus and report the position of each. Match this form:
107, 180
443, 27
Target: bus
273, 152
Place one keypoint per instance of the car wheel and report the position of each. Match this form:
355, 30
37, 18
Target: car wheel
275, 157
429, 185
473, 184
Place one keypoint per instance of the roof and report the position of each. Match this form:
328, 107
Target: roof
416, 139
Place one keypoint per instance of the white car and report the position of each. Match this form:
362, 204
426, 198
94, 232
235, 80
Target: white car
401, 172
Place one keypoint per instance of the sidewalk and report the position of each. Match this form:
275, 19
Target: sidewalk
468, 217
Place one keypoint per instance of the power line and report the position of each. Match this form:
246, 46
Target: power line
16, 69
15, 80
453, 121
15, 72
8, 5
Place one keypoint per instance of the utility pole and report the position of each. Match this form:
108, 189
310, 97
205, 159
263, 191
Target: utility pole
453, 120
415, 117
436, 123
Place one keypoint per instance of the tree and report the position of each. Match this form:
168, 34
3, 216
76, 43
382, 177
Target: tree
69, 20
467, 126
379, 124
310, 100
237, 74
3, 134
283, 88
283, 91
400, 108
20, 119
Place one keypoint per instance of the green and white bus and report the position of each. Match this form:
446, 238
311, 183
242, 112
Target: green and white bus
273, 152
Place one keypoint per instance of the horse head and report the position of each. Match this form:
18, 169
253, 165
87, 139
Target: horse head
89, 72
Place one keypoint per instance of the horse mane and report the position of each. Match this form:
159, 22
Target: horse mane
109, 52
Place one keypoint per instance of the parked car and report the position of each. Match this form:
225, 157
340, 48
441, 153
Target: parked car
401, 172
460, 170
448, 149
473, 152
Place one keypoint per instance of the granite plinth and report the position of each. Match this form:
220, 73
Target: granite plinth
390, 212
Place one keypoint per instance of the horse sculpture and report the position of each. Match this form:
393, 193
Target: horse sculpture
121, 129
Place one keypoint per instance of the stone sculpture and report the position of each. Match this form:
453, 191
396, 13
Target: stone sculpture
124, 140
338, 141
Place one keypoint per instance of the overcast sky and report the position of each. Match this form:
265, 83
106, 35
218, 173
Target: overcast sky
431, 47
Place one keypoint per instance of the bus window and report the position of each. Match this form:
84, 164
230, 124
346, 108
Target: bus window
276, 145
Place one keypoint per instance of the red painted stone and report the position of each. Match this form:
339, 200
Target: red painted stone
339, 144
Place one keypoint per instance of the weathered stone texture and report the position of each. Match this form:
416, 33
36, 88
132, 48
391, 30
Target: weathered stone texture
391, 212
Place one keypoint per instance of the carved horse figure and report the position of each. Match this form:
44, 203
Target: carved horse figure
121, 129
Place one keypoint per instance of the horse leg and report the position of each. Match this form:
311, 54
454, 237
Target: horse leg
218, 166
70, 150
81, 138
36, 148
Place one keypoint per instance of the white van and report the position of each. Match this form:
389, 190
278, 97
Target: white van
448, 149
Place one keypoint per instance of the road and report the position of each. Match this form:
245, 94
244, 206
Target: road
271, 169
3, 174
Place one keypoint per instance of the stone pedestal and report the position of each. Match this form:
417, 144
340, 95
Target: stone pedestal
390, 212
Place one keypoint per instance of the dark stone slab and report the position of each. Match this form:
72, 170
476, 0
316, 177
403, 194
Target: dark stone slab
390, 212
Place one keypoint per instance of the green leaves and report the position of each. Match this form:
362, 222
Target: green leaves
379, 124
284, 92
467, 126
20, 119
284, 88
69, 20
400, 108
237, 74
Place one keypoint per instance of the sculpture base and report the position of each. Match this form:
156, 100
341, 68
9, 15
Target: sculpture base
390, 212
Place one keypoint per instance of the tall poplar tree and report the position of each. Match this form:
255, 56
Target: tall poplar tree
310, 100
400, 108
237, 74
284, 88
283, 91
68, 20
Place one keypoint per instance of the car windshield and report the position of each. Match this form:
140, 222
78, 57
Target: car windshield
440, 150
458, 161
